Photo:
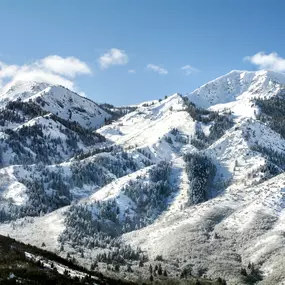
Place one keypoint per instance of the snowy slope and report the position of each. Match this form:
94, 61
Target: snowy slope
22, 90
236, 89
243, 219
147, 127
45, 229
222, 234
57, 100
70, 106
36, 136
60, 184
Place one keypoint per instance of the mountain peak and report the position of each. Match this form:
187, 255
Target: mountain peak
57, 100
237, 85
151, 177
21, 89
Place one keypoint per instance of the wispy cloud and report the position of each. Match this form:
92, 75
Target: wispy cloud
157, 69
113, 57
131, 71
52, 69
188, 69
271, 61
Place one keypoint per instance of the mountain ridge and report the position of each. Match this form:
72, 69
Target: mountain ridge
236, 84
197, 184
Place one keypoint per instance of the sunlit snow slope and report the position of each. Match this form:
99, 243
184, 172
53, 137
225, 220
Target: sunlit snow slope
240, 220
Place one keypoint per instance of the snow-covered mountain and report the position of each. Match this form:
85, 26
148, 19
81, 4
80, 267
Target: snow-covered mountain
193, 182
57, 100
22, 90
238, 85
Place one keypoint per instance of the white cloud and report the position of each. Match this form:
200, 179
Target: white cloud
42, 76
188, 69
69, 66
7, 70
131, 71
52, 69
157, 69
270, 61
113, 57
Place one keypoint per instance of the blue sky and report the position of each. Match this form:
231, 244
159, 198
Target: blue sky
144, 44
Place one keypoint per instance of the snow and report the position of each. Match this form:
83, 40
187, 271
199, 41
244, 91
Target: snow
236, 90
52, 264
112, 190
10, 188
178, 181
38, 230
57, 100
144, 104
21, 89
151, 125
181, 233
245, 217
